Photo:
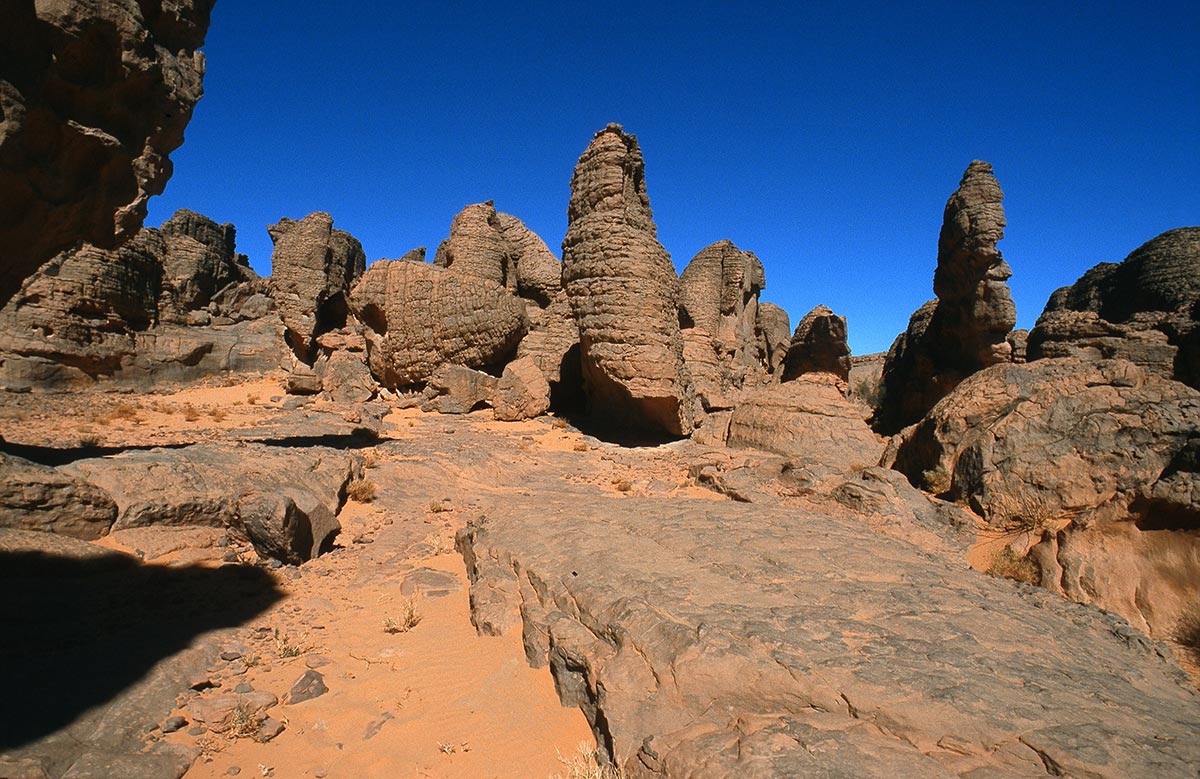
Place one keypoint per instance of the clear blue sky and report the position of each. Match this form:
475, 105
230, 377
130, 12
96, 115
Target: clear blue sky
825, 137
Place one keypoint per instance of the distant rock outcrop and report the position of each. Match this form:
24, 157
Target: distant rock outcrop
719, 297
624, 293
478, 247
818, 346
965, 329
199, 262
774, 331
313, 269
419, 316
1143, 309
1078, 454
93, 97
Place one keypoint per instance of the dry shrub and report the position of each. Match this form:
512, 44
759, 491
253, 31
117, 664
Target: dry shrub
251, 399
361, 490
1007, 564
89, 441
1026, 511
561, 424
408, 618
190, 413
585, 763
582, 446
439, 506
285, 647
622, 485
216, 413
1187, 632
124, 411
244, 722
370, 458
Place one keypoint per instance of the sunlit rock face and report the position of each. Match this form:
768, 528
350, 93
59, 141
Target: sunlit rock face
93, 97
624, 294
965, 329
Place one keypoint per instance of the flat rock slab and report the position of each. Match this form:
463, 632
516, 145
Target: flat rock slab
720, 639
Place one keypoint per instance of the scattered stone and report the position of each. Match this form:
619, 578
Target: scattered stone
316, 661
244, 687
197, 730
233, 770
269, 729
624, 294
310, 685
231, 654
174, 723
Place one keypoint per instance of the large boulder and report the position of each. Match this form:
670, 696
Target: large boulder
818, 346
38, 497
456, 389
522, 392
477, 247
774, 331
553, 343
1143, 309
1083, 455
539, 272
313, 268
809, 418
93, 97
418, 316
624, 293
965, 329
198, 263
285, 501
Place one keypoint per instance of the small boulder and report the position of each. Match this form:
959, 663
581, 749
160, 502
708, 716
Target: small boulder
522, 392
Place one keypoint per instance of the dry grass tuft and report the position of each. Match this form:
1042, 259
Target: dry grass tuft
584, 763
244, 722
1187, 632
190, 413
217, 413
124, 411
439, 506
361, 490
408, 618
561, 424
1006, 564
371, 458
285, 647
622, 485
582, 446
251, 399
1026, 512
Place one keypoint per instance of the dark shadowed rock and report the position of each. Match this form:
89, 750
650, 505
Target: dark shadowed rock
308, 686
818, 346
198, 263
419, 316
313, 268
1142, 310
809, 417
477, 247
719, 296
284, 500
37, 497
1087, 456
93, 97
522, 392
624, 293
966, 328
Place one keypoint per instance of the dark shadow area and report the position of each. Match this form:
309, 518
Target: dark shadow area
620, 435
359, 439
79, 631
54, 456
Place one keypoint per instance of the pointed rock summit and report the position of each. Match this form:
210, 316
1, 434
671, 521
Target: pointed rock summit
966, 328
624, 293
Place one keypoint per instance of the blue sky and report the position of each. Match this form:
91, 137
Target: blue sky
824, 137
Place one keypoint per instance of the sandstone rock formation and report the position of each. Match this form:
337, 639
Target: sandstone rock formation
774, 331
313, 269
965, 329
522, 392
38, 497
284, 500
624, 293
1142, 309
1082, 455
719, 297
419, 316
93, 97
808, 417
477, 247
818, 346
553, 344
539, 273
171, 304
455, 389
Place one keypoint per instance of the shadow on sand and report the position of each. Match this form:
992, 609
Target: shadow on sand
77, 632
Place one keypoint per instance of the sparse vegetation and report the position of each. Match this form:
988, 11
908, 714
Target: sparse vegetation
447, 749
622, 485
585, 763
1005, 563
936, 479
244, 722
1187, 632
439, 506
190, 413
407, 619
582, 446
361, 490
217, 413
439, 544
370, 458
124, 411
89, 441
251, 399
285, 647
561, 424
1026, 512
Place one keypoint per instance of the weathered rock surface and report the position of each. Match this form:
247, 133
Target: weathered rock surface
477, 247
93, 98
539, 273
199, 262
866, 373
1142, 310
522, 392
719, 296
419, 316
38, 497
774, 330
818, 346
1087, 455
965, 329
313, 268
730, 640
807, 417
553, 341
284, 500
624, 293
456, 389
